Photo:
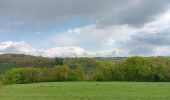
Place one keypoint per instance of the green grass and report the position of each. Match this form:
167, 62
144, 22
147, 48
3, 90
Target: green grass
87, 91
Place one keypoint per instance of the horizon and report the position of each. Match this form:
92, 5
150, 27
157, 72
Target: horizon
82, 56
85, 28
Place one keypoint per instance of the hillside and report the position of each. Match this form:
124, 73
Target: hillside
9, 61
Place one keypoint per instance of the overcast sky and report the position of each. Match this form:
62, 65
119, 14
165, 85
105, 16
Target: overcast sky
85, 28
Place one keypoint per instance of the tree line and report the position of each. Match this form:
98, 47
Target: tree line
151, 69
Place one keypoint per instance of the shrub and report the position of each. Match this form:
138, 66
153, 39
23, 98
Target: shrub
21, 75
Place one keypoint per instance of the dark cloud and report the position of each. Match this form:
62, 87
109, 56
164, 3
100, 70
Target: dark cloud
119, 11
145, 43
142, 50
138, 13
48, 9
154, 39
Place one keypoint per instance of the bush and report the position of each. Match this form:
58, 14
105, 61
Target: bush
21, 75
133, 69
33, 75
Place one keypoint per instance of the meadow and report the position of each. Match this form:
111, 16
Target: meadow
87, 91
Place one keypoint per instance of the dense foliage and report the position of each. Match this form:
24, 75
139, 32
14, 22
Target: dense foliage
92, 69
10, 61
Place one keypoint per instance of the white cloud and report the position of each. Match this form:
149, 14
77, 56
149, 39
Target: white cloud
160, 24
161, 51
109, 53
143, 40
64, 52
109, 36
92, 35
24, 48
17, 47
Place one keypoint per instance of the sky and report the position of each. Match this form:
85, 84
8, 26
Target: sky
85, 28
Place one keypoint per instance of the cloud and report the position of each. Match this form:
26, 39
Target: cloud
163, 51
80, 52
109, 12
58, 8
116, 52
123, 27
64, 52
91, 36
24, 48
152, 35
17, 47
135, 40
137, 13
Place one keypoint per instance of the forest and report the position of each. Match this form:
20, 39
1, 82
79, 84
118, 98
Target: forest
22, 69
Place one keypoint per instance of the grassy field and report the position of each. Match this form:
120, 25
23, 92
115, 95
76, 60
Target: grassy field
87, 91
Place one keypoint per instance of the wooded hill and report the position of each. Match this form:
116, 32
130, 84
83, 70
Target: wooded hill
10, 61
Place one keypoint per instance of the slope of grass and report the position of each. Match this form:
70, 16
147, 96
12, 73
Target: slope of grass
87, 91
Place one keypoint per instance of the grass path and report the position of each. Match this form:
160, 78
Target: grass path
87, 91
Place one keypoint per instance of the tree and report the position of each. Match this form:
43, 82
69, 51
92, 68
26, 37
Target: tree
136, 69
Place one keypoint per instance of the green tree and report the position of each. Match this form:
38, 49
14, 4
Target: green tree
136, 69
